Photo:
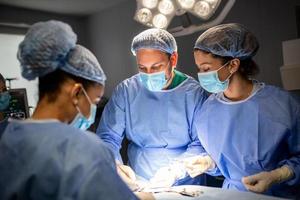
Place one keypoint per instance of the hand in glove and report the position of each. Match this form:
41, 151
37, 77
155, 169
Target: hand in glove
127, 175
197, 165
262, 181
167, 176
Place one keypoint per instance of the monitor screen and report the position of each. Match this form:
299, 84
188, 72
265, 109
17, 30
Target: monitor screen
18, 105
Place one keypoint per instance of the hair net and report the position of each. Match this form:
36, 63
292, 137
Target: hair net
81, 62
154, 38
232, 40
51, 45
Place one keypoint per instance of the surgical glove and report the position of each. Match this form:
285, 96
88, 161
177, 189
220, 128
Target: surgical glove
144, 195
128, 176
167, 176
262, 181
197, 165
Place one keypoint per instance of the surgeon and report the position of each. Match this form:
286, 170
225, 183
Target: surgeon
154, 110
50, 155
250, 130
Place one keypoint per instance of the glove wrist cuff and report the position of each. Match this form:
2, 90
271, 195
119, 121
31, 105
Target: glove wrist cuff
282, 174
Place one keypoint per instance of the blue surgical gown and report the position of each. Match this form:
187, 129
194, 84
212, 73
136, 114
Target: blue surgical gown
258, 134
157, 124
3, 124
52, 160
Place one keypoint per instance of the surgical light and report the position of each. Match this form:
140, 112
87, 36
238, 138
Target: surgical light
202, 9
160, 21
159, 13
166, 7
212, 1
150, 3
186, 4
144, 15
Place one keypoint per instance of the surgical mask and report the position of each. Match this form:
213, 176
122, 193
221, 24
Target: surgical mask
4, 100
210, 81
153, 82
80, 121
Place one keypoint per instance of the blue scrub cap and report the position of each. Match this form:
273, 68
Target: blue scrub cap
232, 40
81, 62
154, 38
51, 45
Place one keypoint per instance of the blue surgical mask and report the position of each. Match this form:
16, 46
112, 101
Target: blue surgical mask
210, 81
4, 100
153, 82
80, 121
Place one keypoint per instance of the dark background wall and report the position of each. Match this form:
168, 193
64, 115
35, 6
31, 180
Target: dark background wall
10, 14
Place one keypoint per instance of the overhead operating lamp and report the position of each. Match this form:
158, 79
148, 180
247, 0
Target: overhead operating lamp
159, 13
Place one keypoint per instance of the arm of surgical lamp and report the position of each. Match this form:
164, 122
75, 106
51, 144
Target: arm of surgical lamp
181, 31
15, 25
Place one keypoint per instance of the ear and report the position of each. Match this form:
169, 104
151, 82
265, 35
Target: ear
75, 92
234, 65
174, 59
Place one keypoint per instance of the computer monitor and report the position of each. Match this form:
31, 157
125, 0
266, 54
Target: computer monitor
18, 105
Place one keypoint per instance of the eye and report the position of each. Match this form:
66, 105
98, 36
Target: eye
203, 68
141, 68
157, 67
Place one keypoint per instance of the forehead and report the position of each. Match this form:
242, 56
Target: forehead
198, 54
205, 57
150, 55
